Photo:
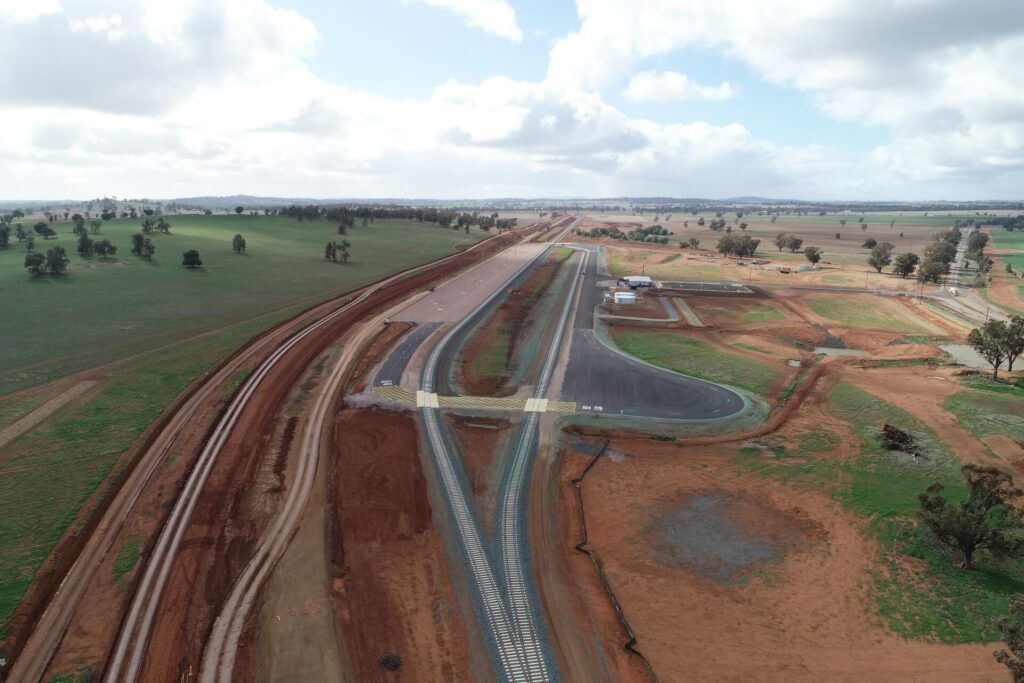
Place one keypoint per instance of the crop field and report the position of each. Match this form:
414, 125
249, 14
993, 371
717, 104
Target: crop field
125, 305
1007, 239
697, 359
156, 327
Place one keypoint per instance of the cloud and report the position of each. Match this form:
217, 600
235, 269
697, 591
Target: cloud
941, 75
493, 16
156, 98
21, 12
141, 56
654, 86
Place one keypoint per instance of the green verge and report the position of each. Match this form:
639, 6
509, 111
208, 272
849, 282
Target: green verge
939, 601
989, 408
127, 558
861, 312
763, 313
697, 359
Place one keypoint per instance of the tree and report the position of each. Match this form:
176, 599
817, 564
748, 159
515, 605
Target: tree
781, 240
794, 244
239, 209
191, 259
104, 247
812, 254
743, 226
163, 226
20, 232
238, 244
1013, 342
148, 224
35, 261
56, 260
870, 243
143, 246
331, 252
5, 235
985, 520
95, 225
989, 340
44, 230
85, 244
932, 270
881, 256
905, 264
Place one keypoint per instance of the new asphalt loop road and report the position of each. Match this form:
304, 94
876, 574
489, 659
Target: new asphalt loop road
602, 380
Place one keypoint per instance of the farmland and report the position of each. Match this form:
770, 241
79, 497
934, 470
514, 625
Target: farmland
126, 305
154, 327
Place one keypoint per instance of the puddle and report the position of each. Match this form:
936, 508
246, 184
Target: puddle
829, 351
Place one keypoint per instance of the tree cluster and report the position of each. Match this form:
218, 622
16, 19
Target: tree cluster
786, 241
738, 245
338, 251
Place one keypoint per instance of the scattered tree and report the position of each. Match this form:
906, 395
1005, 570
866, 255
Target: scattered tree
104, 248
35, 262
190, 259
5, 235
812, 254
905, 264
985, 520
781, 240
239, 209
881, 256
85, 243
95, 225
989, 340
870, 243
56, 260
238, 244
143, 246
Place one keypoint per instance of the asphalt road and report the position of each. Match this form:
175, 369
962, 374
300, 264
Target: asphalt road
390, 373
604, 381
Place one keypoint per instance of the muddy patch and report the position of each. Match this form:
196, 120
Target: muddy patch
724, 537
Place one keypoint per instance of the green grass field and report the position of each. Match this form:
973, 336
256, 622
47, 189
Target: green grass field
989, 409
103, 310
155, 314
697, 359
763, 314
940, 601
864, 312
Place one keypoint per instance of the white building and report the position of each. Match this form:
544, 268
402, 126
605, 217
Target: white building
625, 297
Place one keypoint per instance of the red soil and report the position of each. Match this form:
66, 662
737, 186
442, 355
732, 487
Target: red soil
391, 586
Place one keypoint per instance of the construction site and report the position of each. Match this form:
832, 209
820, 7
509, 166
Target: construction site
495, 467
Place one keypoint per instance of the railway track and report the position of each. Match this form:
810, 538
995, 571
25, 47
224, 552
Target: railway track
509, 621
130, 647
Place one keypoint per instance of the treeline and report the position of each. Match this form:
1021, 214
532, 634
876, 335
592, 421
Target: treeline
1009, 224
346, 216
653, 234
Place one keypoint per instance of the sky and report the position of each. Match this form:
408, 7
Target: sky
809, 99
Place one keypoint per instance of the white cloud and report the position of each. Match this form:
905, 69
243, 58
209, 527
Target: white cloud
942, 75
21, 12
493, 16
216, 96
655, 86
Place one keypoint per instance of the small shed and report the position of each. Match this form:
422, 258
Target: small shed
625, 297
635, 281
